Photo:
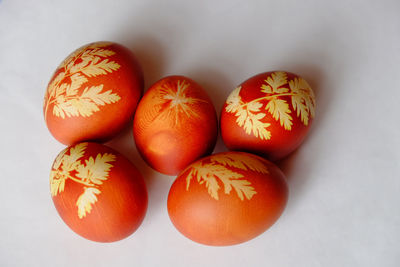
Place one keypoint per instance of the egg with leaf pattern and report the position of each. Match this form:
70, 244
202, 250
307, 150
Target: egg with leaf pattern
227, 198
269, 114
93, 93
175, 124
98, 192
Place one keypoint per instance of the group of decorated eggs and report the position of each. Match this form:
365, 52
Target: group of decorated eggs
221, 199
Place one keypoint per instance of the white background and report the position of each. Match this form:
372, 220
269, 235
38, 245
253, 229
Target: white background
344, 180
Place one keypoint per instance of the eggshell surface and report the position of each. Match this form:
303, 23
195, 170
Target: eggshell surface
227, 198
269, 114
98, 192
93, 93
175, 124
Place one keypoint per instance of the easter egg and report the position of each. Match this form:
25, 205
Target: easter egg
175, 124
98, 192
269, 114
93, 93
227, 198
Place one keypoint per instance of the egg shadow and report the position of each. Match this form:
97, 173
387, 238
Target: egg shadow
151, 56
313, 59
290, 164
157, 184
215, 83
148, 50
298, 170
124, 144
150, 53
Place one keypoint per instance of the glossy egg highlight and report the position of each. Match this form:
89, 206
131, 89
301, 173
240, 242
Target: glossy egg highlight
93, 93
227, 198
175, 124
269, 114
98, 192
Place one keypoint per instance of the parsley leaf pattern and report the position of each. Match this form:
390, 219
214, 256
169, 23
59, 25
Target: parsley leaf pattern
250, 115
64, 92
220, 170
92, 173
174, 102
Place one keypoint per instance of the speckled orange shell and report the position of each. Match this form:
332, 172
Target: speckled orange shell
269, 114
98, 192
227, 198
93, 94
175, 124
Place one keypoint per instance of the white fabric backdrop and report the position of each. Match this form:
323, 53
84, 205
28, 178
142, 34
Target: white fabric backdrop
344, 180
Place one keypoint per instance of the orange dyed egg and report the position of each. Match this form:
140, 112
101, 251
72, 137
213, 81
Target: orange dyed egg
175, 124
270, 114
227, 198
98, 193
93, 94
